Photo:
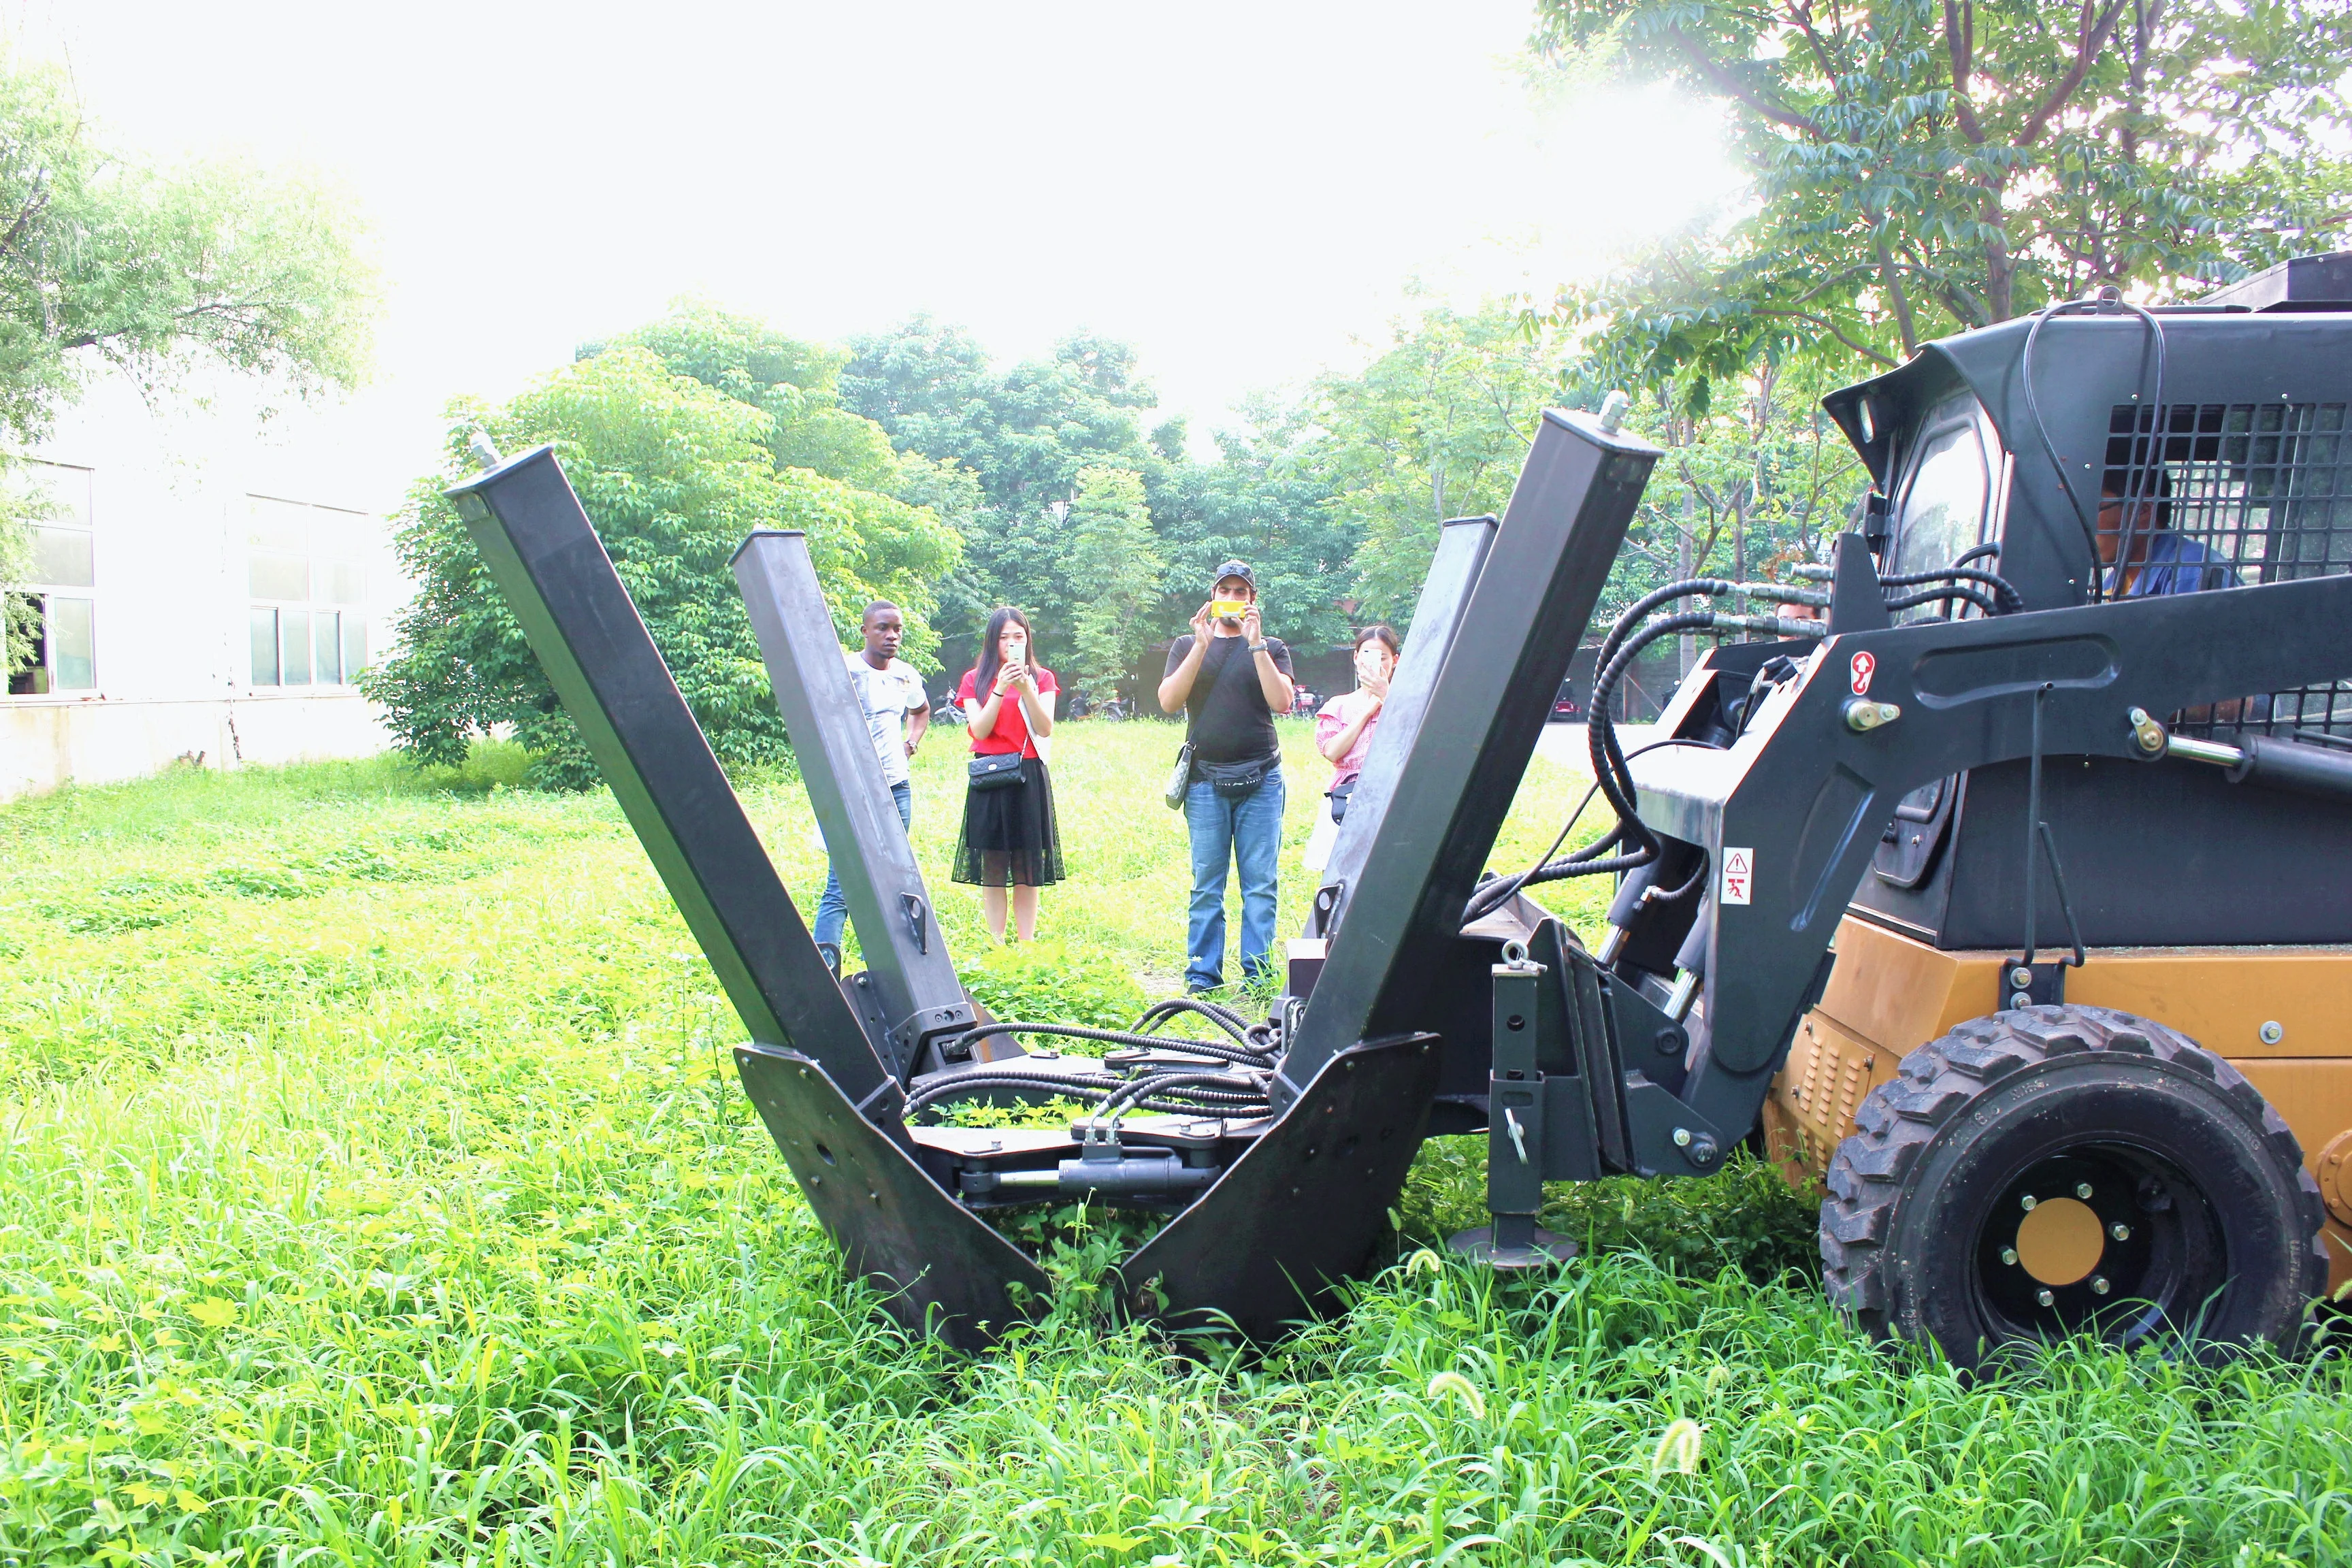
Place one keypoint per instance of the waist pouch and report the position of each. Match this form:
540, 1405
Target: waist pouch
995, 770
1338, 795
1234, 781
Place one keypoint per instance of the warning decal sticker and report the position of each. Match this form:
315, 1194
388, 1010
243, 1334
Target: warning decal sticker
1738, 875
1860, 669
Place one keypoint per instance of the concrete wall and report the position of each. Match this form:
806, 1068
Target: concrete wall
46, 741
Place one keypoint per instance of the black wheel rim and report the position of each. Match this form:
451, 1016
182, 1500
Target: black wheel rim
2160, 1260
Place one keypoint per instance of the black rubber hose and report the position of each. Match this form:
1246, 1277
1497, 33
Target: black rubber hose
1116, 1037
1982, 601
1609, 766
1093, 1086
1225, 1019
1600, 722
2003, 591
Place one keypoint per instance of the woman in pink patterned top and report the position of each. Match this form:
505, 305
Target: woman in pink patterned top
1343, 733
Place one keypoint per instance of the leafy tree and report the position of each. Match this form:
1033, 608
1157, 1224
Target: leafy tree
1762, 477
1114, 573
1025, 433
1437, 427
108, 262
1927, 166
795, 384
1261, 502
672, 473
811, 438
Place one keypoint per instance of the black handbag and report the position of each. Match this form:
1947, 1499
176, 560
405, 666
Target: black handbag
1338, 796
995, 770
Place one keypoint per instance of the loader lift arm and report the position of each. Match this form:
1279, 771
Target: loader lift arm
1805, 794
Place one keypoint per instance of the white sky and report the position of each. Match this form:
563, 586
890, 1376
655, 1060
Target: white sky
1240, 189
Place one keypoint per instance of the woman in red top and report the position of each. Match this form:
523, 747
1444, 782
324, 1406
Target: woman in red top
1009, 840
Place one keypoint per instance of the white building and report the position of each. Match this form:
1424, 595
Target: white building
208, 588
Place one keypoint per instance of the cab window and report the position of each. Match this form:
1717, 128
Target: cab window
1946, 500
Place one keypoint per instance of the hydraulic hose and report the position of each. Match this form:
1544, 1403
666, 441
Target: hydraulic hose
2008, 600
1982, 601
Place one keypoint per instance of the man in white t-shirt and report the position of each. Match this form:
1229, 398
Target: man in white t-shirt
891, 696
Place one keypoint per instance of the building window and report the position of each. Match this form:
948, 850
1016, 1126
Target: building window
306, 568
58, 603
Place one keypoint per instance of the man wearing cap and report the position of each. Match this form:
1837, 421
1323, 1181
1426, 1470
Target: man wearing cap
1230, 680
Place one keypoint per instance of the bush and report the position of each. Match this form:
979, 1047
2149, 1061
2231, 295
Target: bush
1049, 982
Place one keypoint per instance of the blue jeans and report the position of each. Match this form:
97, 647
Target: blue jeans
1243, 833
832, 909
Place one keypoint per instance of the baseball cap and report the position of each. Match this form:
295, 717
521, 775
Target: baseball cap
1235, 569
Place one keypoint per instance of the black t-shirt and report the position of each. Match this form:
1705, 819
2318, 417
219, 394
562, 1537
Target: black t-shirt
1227, 718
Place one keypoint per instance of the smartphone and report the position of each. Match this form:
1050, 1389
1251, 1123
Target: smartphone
1228, 609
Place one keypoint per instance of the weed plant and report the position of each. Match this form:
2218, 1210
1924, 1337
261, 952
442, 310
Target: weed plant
378, 1193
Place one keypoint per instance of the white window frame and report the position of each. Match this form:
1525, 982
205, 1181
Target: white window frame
317, 566
47, 594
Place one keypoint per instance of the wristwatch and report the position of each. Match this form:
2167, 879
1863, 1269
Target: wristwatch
1257, 648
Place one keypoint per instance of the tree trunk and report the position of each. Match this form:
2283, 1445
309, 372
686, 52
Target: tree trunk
1686, 645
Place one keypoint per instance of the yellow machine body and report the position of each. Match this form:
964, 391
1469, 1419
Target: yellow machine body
2278, 1014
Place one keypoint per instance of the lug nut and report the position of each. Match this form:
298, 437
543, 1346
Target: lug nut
2044, 1297
2028, 1201
2099, 1283
2020, 977
2120, 1232
2008, 1256
2083, 1190
2019, 999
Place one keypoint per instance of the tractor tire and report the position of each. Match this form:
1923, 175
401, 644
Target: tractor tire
2059, 1171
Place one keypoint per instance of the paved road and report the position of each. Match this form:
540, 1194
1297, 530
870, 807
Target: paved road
1566, 743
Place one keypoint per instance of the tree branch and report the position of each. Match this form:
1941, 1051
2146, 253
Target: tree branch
1960, 37
2093, 39
1723, 81
1832, 328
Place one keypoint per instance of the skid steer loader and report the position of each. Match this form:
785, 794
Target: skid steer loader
1995, 877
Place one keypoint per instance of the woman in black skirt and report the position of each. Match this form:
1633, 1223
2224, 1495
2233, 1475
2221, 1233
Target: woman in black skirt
1008, 839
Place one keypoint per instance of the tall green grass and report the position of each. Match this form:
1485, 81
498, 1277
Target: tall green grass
377, 1192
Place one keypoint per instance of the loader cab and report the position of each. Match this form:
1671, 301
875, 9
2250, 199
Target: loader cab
2231, 422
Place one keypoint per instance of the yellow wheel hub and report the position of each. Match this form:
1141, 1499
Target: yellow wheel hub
2059, 1241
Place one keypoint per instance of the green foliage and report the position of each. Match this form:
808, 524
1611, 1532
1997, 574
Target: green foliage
418, 1219
1759, 477
1023, 434
21, 506
1264, 502
675, 460
145, 266
1050, 981
1437, 427
1927, 166
795, 384
1115, 572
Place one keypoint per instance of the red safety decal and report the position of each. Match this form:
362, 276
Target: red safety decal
1738, 875
1861, 667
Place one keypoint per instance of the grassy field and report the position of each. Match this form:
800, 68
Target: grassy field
377, 1193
